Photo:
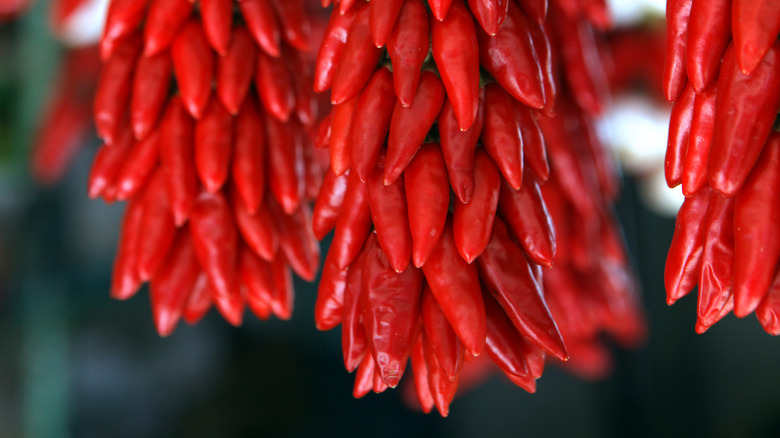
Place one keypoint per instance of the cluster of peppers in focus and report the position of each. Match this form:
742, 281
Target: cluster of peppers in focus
723, 74
204, 109
463, 165
459, 168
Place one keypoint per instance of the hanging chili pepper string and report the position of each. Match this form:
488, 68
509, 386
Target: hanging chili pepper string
216, 178
468, 210
722, 149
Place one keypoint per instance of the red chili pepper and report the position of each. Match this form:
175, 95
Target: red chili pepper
296, 242
755, 24
679, 136
768, 312
217, 17
440, 8
756, 249
261, 22
354, 342
568, 165
329, 307
458, 148
442, 388
501, 135
305, 104
364, 378
157, 228
340, 138
581, 60
176, 132
677, 15
744, 113
517, 291
294, 23
420, 373
457, 54
137, 166
503, 341
258, 229
216, 243
150, 92
213, 146
490, 14
199, 302
164, 21
446, 346
717, 260
382, 17
354, 223
472, 223
511, 58
709, 31
371, 121
390, 217
123, 18
193, 63
282, 303
525, 212
331, 48
235, 70
390, 303
428, 199
125, 280
541, 40
249, 157
694, 175
255, 275
455, 284
358, 60
272, 81
410, 125
534, 150
408, 46
285, 163
113, 91
172, 284
535, 9
328, 204
107, 164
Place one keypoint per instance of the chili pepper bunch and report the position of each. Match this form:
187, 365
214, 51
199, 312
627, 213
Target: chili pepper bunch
204, 109
723, 74
439, 137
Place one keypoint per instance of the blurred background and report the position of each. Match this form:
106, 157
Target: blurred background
74, 363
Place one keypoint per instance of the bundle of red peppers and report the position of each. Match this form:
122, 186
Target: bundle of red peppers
444, 118
204, 114
723, 74
468, 192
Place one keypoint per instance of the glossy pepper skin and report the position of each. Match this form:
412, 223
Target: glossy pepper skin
744, 114
408, 46
679, 135
390, 303
756, 216
717, 263
518, 292
371, 122
709, 31
456, 52
511, 58
427, 197
677, 15
755, 24
358, 59
683, 263
391, 219
455, 284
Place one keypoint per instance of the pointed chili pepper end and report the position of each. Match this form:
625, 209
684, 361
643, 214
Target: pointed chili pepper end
701, 327
745, 305
165, 321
